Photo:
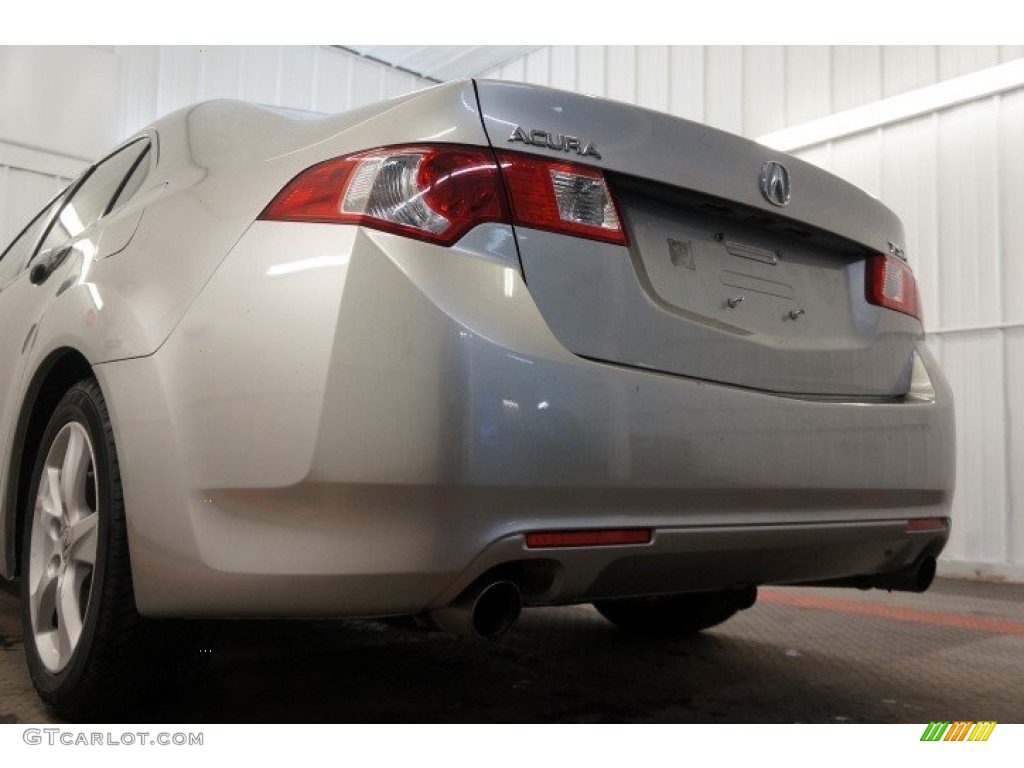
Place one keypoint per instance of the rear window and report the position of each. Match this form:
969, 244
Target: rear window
95, 195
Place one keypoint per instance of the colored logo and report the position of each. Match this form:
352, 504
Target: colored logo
959, 731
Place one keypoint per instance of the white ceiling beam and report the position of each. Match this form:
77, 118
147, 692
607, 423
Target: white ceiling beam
904, 106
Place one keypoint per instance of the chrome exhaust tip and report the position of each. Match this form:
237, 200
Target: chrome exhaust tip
743, 596
485, 611
917, 578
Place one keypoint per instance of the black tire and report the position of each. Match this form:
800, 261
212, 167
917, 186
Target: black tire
669, 615
120, 661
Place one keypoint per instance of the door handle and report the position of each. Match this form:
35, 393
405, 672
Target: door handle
40, 272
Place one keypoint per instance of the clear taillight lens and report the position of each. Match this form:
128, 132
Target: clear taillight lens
438, 193
561, 197
891, 284
388, 188
433, 193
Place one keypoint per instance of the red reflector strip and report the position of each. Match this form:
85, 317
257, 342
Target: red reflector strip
605, 538
926, 524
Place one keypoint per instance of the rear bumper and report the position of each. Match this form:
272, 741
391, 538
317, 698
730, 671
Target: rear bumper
368, 427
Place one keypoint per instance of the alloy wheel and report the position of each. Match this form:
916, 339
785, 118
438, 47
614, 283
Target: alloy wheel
64, 541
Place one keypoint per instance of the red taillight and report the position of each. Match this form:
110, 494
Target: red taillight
433, 193
593, 538
561, 197
438, 193
891, 284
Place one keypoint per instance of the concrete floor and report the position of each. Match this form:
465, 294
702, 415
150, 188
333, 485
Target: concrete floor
800, 655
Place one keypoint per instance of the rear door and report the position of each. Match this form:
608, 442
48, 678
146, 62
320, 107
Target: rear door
20, 308
57, 235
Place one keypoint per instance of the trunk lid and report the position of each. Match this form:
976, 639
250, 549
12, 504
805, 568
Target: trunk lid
717, 283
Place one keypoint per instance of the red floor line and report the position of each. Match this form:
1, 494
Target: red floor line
896, 613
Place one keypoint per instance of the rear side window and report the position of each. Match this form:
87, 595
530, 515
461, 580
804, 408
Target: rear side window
96, 194
134, 181
16, 256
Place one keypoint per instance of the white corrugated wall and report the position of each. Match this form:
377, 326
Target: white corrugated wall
56, 107
955, 177
157, 80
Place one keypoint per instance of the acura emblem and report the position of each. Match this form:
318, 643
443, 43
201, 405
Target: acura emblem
775, 185
557, 141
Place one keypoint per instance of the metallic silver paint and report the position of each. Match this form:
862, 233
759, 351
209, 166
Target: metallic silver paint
638, 141
218, 181
449, 418
608, 302
327, 420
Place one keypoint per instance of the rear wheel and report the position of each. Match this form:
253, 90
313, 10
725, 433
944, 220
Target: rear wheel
673, 615
89, 652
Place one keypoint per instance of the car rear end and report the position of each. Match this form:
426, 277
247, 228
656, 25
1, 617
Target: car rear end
783, 294
592, 349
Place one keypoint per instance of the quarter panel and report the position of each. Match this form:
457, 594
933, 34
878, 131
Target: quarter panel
246, 367
221, 164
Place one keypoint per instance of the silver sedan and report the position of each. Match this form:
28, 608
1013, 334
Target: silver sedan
484, 346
